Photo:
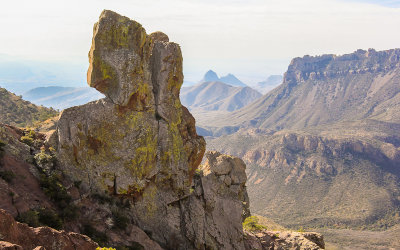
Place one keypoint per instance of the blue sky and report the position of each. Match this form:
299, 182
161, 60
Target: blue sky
252, 38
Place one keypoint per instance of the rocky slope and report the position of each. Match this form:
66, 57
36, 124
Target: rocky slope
18, 236
283, 240
17, 112
217, 96
61, 97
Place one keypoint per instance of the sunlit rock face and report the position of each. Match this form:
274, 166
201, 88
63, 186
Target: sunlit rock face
140, 143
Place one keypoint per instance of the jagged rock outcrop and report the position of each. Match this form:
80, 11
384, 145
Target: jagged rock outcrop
279, 240
140, 143
15, 235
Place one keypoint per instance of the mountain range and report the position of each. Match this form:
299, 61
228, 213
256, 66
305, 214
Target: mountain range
211, 76
323, 148
217, 96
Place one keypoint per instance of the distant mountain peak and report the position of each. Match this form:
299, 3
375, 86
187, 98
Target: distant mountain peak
229, 79
210, 76
232, 80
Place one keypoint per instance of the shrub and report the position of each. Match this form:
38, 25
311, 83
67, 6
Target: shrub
251, 224
27, 140
29, 137
102, 199
301, 230
198, 172
49, 218
120, 220
7, 175
41, 217
2, 144
53, 188
99, 237
30, 217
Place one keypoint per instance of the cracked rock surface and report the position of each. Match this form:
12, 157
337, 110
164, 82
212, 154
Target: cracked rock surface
140, 143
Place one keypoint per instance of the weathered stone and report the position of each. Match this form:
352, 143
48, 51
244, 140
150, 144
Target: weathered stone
218, 208
283, 240
159, 36
21, 236
9, 246
140, 142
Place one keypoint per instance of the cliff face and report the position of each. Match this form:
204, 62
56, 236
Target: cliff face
328, 66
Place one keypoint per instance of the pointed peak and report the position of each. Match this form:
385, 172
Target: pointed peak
232, 80
210, 76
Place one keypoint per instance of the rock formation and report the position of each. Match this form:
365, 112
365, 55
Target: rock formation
19, 236
140, 143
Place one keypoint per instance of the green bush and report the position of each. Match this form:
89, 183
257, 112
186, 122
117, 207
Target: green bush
102, 199
301, 230
120, 220
27, 140
49, 218
42, 158
99, 237
251, 224
2, 144
54, 189
29, 137
30, 217
7, 175
41, 217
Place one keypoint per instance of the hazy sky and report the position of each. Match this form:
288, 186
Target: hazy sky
252, 38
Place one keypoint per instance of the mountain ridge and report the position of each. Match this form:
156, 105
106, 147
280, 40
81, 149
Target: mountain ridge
330, 127
230, 79
212, 96
332, 95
